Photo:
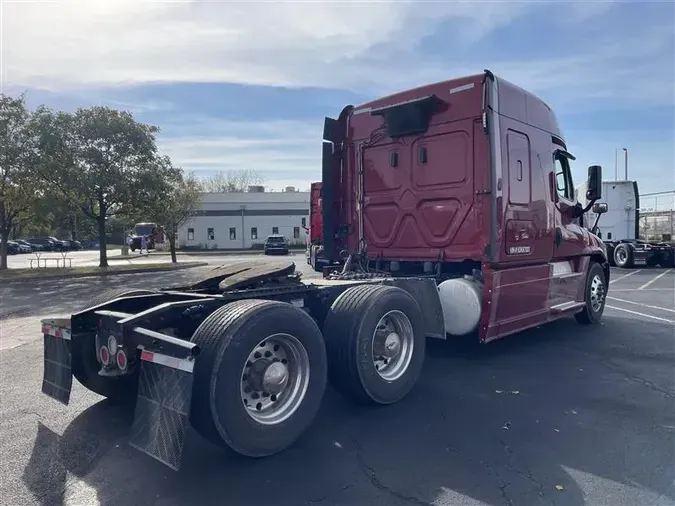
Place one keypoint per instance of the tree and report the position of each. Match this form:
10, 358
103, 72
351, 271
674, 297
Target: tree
232, 181
18, 187
180, 204
172, 201
98, 159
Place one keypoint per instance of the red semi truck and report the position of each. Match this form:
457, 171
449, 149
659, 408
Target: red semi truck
315, 237
452, 210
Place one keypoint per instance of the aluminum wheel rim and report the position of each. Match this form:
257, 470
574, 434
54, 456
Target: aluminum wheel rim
597, 293
270, 402
392, 345
621, 255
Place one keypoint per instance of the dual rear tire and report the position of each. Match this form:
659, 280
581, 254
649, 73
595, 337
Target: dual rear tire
264, 365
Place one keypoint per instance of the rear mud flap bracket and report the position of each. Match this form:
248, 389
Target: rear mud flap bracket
162, 407
57, 379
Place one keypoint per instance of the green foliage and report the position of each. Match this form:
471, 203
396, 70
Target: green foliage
87, 173
170, 200
101, 162
18, 185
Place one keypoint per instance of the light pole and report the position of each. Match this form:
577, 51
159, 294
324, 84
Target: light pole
625, 153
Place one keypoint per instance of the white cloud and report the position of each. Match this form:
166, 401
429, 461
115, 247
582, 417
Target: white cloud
284, 152
373, 47
347, 44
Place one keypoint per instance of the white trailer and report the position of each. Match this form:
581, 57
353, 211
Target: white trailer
619, 228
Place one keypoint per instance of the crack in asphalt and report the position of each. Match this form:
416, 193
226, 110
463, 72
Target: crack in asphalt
371, 475
503, 484
638, 379
323, 498
526, 472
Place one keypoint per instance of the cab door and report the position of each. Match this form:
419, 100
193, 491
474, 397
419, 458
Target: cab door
568, 267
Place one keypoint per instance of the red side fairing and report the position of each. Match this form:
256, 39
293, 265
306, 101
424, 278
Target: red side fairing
518, 298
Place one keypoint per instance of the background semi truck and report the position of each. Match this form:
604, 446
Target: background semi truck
447, 229
314, 241
619, 228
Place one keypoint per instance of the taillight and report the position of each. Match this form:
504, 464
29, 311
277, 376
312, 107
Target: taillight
104, 355
121, 360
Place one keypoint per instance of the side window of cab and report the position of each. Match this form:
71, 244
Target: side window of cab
563, 177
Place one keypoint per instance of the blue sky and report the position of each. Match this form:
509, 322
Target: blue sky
246, 85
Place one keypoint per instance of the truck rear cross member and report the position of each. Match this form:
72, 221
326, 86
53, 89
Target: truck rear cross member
434, 225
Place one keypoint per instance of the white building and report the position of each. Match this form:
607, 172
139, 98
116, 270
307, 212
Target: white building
241, 220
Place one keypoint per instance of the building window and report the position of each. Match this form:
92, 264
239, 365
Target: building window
210, 234
191, 234
609, 236
233, 233
296, 232
304, 222
275, 230
254, 232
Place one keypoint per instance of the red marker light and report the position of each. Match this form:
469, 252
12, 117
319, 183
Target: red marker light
121, 360
104, 354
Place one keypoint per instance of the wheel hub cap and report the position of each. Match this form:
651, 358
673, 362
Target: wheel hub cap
392, 345
597, 293
274, 378
393, 342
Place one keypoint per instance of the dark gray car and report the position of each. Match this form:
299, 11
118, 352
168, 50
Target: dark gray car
276, 243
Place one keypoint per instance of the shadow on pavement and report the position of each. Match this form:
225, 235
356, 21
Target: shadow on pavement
580, 408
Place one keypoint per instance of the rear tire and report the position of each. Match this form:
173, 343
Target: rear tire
85, 364
228, 365
363, 319
596, 291
623, 256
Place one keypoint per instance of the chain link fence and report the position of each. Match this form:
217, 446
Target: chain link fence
657, 216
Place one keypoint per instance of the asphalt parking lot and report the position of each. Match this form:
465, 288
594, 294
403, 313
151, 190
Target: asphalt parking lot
561, 415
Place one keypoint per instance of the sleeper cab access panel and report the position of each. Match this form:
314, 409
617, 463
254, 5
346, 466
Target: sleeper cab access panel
422, 193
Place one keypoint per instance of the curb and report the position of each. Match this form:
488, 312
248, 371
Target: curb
140, 270
197, 253
225, 252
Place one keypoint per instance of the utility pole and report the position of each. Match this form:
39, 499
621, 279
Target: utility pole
625, 152
616, 164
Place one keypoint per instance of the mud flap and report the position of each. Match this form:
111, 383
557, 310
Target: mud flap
57, 379
162, 408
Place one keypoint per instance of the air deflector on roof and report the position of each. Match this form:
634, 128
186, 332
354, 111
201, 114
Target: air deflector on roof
408, 118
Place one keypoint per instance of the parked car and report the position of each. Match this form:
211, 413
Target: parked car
59, 245
23, 248
31, 247
74, 245
45, 243
13, 248
276, 243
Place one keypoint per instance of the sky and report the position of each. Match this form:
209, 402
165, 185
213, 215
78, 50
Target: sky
245, 85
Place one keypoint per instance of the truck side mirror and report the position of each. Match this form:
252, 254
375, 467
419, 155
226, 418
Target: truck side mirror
594, 191
599, 208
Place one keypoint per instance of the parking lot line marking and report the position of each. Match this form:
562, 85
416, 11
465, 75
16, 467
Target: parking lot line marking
641, 314
643, 305
625, 276
655, 279
645, 290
